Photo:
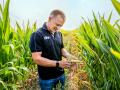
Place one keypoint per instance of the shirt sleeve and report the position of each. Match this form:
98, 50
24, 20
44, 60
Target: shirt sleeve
35, 42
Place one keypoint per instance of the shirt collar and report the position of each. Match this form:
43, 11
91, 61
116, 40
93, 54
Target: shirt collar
44, 27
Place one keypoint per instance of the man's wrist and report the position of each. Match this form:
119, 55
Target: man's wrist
57, 63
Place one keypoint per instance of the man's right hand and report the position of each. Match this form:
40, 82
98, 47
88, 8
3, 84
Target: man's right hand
64, 64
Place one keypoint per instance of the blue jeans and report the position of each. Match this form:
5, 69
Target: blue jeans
51, 83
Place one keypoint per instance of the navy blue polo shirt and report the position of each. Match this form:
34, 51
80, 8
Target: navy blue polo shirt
50, 45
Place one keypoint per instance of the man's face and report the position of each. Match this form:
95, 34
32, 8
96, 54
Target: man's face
56, 23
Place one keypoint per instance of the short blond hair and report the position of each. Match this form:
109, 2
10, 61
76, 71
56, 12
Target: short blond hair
58, 12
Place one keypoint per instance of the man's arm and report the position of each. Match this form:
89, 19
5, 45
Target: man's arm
39, 60
42, 61
65, 53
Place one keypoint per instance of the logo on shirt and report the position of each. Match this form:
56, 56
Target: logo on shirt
46, 37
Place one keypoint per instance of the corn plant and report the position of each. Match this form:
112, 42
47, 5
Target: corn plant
99, 41
15, 57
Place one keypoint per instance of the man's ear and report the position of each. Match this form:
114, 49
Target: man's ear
50, 17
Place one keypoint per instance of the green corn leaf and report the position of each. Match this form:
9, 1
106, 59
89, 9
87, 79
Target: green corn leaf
1, 9
110, 16
5, 16
115, 53
116, 5
4, 85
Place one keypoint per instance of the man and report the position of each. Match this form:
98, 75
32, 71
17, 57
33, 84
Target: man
47, 49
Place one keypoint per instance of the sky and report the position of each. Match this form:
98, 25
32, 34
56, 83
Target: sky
39, 10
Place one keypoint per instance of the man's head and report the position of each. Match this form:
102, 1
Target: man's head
56, 20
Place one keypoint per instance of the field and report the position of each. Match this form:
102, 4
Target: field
96, 44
